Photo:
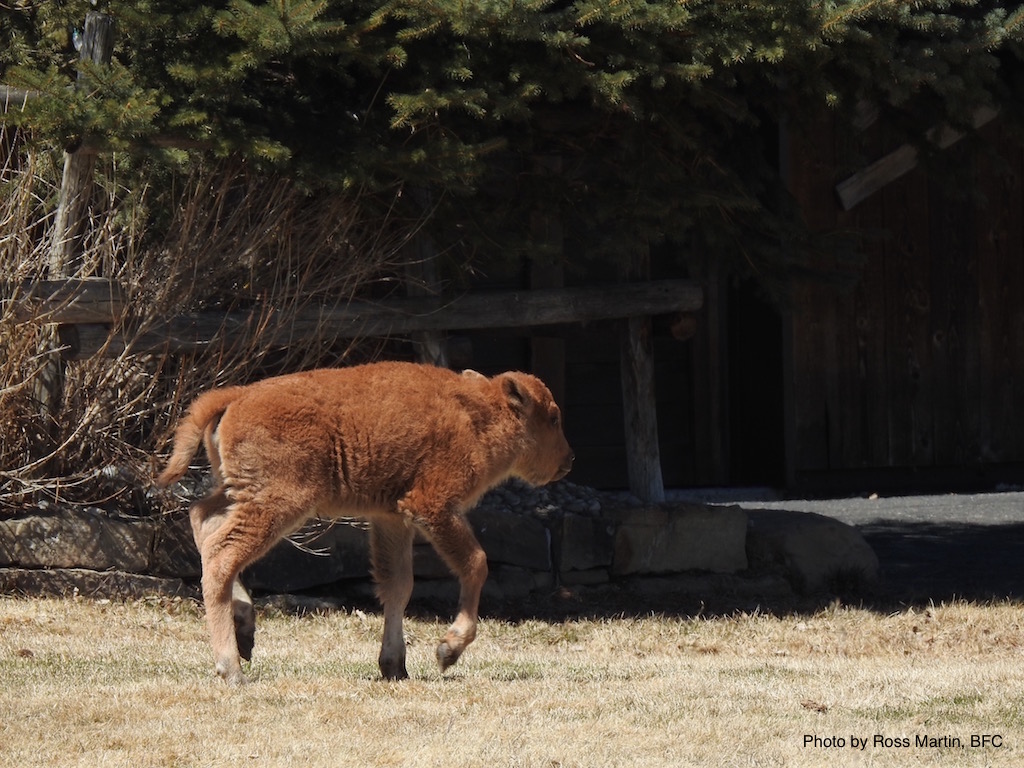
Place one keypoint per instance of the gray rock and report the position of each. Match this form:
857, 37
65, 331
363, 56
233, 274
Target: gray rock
341, 552
512, 539
437, 590
426, 563
507, 582
586, 543
816, 553
77, 538
174, 550
68, 582
680, 537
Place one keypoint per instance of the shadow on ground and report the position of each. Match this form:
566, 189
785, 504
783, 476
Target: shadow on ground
920, 563
923, 562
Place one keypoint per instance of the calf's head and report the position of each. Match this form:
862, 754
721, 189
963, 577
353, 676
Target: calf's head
547, 456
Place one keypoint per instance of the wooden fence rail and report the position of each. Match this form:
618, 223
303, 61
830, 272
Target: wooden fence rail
90, 306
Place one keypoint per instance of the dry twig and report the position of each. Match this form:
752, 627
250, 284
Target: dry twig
220, 238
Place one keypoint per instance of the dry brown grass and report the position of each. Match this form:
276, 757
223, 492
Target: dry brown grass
110, 684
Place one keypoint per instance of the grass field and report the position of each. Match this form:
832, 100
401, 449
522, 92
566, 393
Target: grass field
86, 683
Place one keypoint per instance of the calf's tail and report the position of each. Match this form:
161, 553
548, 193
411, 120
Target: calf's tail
203, 412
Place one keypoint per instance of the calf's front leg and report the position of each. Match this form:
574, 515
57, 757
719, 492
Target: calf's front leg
453, 539
391, 552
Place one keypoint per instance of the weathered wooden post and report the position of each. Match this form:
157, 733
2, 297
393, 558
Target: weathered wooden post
640, 410
76, 184
643, 455
72, 211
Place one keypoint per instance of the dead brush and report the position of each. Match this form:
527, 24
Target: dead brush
215, 238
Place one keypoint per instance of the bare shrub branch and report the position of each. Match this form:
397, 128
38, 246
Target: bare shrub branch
218, 237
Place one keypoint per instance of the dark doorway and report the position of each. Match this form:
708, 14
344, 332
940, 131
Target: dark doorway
756, 415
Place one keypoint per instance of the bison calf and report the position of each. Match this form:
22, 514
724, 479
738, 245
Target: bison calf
405, 446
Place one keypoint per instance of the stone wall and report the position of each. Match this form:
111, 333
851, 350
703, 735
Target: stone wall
535, 539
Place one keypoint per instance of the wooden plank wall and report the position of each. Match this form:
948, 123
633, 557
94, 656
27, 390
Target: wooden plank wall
920, 364
594, 413
591, 396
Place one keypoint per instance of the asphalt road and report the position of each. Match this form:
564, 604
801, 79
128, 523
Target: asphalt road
938, 547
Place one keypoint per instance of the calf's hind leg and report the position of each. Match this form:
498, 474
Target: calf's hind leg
391, 551
244, 536
207, 515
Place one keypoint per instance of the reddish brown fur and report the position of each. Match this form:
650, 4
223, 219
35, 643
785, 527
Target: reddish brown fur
406, 446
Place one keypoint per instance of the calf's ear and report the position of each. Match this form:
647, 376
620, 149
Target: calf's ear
515, 394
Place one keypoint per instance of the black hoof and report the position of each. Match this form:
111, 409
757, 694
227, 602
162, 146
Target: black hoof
245, 628
394, 670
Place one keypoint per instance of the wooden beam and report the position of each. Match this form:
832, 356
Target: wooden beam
97, 301
83, 300
887, 169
